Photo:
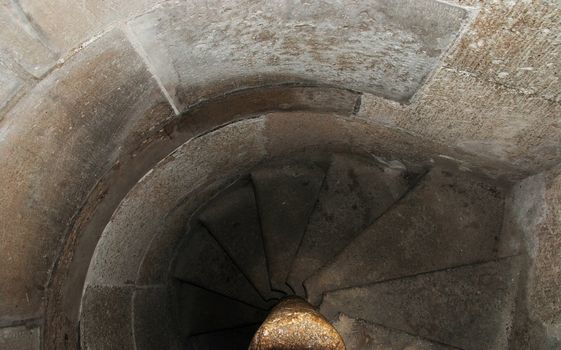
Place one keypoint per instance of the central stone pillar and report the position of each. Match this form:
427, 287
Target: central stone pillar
293, 325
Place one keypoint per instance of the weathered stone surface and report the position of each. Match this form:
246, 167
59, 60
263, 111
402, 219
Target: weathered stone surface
537, 213
54, 145
498, 96
152, 320
21, 42
447, 220
10, 85
256, 101
233, 220
480, 118
469, 307
106, 318
173, 184
80, 245
384, 47
81, 20
20, 338
371, 137
545, 280
355, 192
65, 32
286, 195
203, 262
553, 337
202, 311
109, 11
361, 335
157, 264
503, 124
516, 44
48, 169
312, 131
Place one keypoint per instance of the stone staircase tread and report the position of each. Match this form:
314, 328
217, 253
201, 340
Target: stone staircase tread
233, 220
469, 307
203, 311
231, 339
356, 190
361, 335
202, 262
286, 195
447, 220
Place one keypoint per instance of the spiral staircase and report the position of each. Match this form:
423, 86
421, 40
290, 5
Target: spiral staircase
173, 172
393, 258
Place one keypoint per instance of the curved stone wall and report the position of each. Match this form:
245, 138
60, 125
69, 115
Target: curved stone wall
133, 255
94, 93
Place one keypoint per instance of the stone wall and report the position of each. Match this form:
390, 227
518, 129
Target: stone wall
536, 212
85, 85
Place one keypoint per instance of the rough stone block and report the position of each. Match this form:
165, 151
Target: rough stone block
24, 271
361, 335
108, 11
354, 193
156, 263
307, 131
516, 44
545, 280
66, 31
286, 196
20, 338
201, 311
233, 220
127, 236
20, 41
469, 307
537, 209
432, 236
534, 211
480, 118
106, 318
498, 95
153, 328
384, 47
81, 20
55, 143
203, 262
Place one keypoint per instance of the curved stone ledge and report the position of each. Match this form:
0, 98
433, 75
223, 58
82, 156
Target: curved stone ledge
64, 297
54, 145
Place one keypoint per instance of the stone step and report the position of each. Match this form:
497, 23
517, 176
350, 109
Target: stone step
233, 220
202, 262
202, 311
355, 192
446, 220
468, 307
286, 195
231, 339
361, 335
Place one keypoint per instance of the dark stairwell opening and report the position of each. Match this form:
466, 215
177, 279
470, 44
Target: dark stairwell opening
393, 257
